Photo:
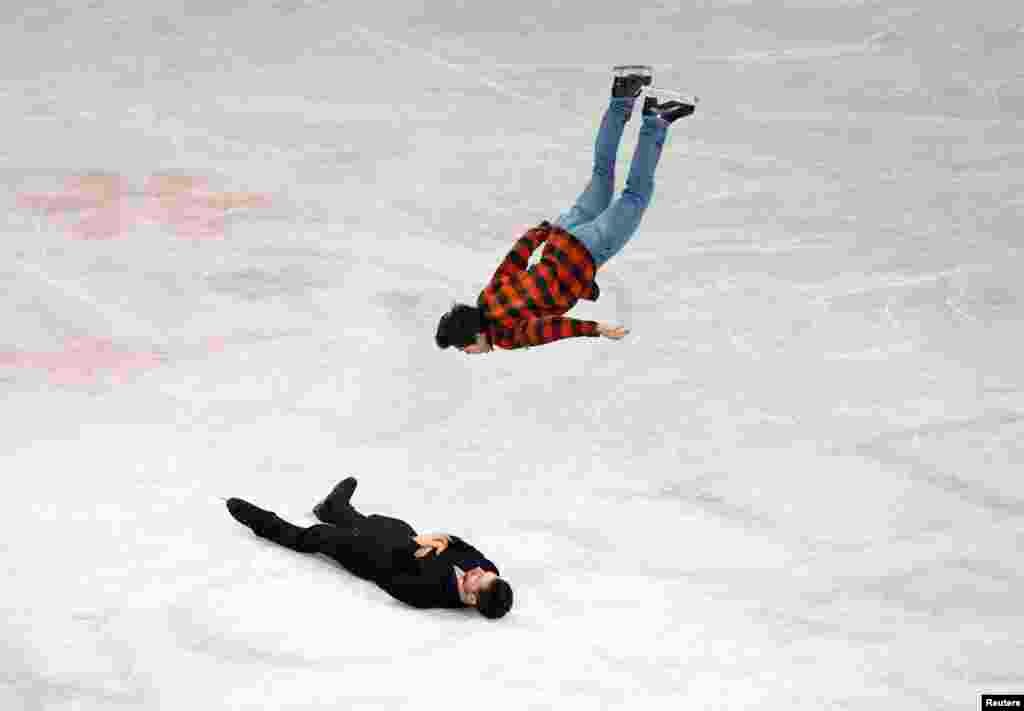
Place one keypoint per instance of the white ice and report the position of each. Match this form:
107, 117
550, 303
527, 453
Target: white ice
795, 485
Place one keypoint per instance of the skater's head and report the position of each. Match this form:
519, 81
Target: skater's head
465, 328
484, 590
495, 601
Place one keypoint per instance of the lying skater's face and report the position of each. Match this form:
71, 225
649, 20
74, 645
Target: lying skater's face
482, 345
476, 580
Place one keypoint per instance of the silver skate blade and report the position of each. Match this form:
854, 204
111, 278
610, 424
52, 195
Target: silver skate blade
663, 95
623, 70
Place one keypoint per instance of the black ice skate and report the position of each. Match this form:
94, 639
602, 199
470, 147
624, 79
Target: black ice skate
336, 501
630, 80
669, 110
263, 523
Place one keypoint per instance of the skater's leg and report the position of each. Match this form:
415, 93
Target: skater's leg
375, 525
598, 193
267, 524
386, 527
606, 235
318, 538
348, 546
341, 514
353, 548
366, 548
336, 507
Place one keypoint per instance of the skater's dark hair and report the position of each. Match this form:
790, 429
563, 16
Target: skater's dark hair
460, 326
495, 601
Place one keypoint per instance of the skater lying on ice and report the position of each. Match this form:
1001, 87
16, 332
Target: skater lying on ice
524, 306
436, 570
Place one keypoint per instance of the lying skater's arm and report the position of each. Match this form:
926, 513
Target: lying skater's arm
464, 549
432, 542
467, 557
517, 259
460, 552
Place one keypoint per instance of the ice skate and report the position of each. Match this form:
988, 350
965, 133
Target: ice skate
336, 501
263, 523
630, 80
669, 106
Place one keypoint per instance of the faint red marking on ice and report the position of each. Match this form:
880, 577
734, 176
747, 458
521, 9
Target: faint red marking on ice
216, 344
188, 205
83, 360
96, 200
99, 206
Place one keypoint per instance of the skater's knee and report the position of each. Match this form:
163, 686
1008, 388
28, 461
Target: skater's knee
311, 539
604, 175
638, 195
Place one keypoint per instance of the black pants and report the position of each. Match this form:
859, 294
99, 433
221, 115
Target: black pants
364, 545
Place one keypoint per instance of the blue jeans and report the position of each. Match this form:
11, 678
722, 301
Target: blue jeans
602, 225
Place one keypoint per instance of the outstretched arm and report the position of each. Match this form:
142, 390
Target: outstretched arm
519, 256
538, 331
535, 332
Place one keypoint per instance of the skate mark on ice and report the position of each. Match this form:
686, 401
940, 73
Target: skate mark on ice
377, 38
256, 284
890, 450
875, 353
988, 680
953, 299
982, 423
194, 636
695, 494
971, 492
748, 187
40, 691
885, 282
868, 45
988, 569
110, 680
793, 626
75, 290
939, 586
199, 624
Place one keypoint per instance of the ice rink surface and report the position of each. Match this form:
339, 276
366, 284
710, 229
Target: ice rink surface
228, 237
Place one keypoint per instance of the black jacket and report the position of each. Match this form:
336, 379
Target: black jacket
382, 549
430, 581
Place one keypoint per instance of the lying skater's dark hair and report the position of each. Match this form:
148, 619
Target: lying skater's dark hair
496, 600
460, 326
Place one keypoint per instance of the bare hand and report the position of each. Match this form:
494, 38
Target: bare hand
613, 332
430, 543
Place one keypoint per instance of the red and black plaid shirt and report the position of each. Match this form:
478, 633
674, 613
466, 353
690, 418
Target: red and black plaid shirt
523, 306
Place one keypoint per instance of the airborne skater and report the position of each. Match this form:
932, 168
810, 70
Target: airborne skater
524, 306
